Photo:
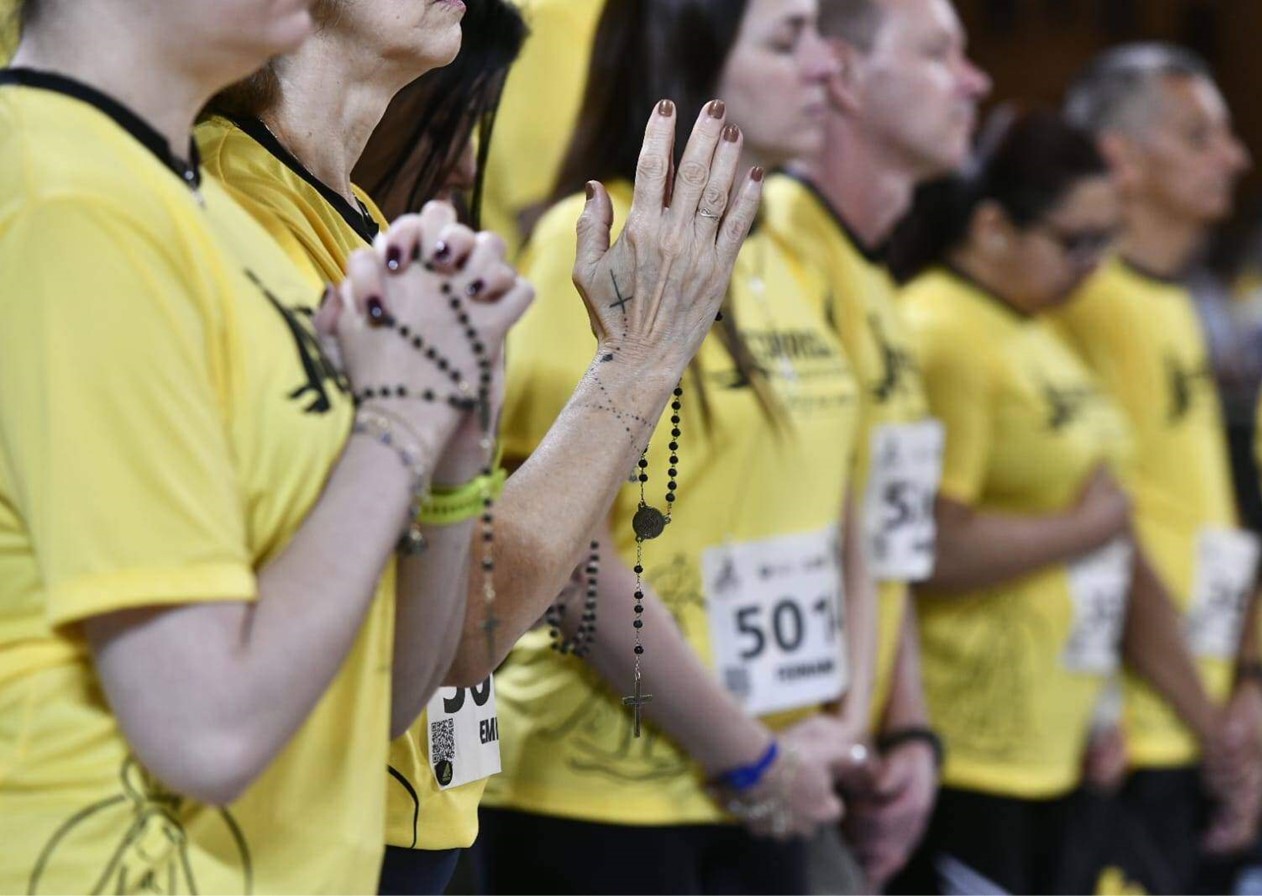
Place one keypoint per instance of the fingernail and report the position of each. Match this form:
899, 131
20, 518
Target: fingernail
591, 190
441, 251
377, 316
756, 174
717, 108
394, 258
475, 287
666, 108
731, 133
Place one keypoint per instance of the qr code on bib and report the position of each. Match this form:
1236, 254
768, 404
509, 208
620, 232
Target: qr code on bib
442, 734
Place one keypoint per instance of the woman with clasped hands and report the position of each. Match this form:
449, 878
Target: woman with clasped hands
195, 650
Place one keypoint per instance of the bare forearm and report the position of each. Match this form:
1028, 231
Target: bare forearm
688, 703
235, 681
554, 502
862, 620
1154, 647
906, 705
430, 614
977, 549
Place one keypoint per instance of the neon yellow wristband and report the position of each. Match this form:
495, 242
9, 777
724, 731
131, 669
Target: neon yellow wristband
446, 506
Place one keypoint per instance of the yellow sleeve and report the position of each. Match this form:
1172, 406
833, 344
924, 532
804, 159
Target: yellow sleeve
553, 345
112, 433
959, 388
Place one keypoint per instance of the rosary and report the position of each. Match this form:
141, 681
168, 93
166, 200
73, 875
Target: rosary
412, 541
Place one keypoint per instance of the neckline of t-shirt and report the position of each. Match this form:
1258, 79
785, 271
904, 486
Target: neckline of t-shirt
877, 255
189, 172
986, 293
1146, 274
358, 218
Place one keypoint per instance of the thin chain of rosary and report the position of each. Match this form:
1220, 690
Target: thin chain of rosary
649, 523
580, 644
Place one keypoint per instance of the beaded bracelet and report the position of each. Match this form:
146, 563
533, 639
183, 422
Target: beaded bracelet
381, 426
895, 738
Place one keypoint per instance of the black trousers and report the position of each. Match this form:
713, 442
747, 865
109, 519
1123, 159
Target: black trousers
518, 852
417, 871
980, 843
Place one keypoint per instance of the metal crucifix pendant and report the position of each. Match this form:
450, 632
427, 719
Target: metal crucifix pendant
637, 702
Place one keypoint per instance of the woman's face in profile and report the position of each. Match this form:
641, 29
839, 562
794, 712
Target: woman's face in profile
774, 81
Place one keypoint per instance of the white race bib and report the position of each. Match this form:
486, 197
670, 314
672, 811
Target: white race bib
1226, 562
464, 734
776, 622
898, 512
1099, 584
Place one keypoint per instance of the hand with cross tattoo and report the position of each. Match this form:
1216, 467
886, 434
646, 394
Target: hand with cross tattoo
657, 290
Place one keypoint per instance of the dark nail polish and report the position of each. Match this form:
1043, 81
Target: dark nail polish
731, 133
757, 175
475, 287
717, 108
666, 108
441, 251
591, 190
394, 258
718, 318
376, 312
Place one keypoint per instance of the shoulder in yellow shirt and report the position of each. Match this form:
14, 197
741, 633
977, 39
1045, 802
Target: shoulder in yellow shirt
1142, 338
167, 420
1026, 426
746, 488
319, 230
537, 114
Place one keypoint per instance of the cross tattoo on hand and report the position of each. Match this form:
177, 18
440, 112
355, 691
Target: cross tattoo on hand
622, 302
637, 702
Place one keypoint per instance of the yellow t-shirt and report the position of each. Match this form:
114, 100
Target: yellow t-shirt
9, 31
864, 313
319, 229
538, 112
1142, 339
1025, 427
567, 745
167, 421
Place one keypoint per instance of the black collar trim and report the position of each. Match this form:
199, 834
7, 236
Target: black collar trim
1145, 274
357, 216
187, 171
977, 287
877, 255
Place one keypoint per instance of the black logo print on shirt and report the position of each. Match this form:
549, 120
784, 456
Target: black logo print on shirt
896, 363
316, 364
1065, 404
1186, 385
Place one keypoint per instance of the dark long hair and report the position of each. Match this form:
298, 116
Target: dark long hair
645, 51
1026, 162
429, 122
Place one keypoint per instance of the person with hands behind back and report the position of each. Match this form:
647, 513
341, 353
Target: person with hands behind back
715, 589
196, 648
1039, 588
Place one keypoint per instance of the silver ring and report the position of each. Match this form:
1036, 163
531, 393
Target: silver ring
711, 215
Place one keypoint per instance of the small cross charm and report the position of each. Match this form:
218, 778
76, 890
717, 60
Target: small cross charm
636, 703
489, 626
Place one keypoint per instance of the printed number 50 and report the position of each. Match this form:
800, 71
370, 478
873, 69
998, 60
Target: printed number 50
481, 693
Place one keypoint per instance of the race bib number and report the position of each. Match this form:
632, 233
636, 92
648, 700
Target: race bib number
1098, 585
898, 513
464, 734
1226, 562
776, 620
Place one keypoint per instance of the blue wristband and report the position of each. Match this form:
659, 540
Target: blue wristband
748, 776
